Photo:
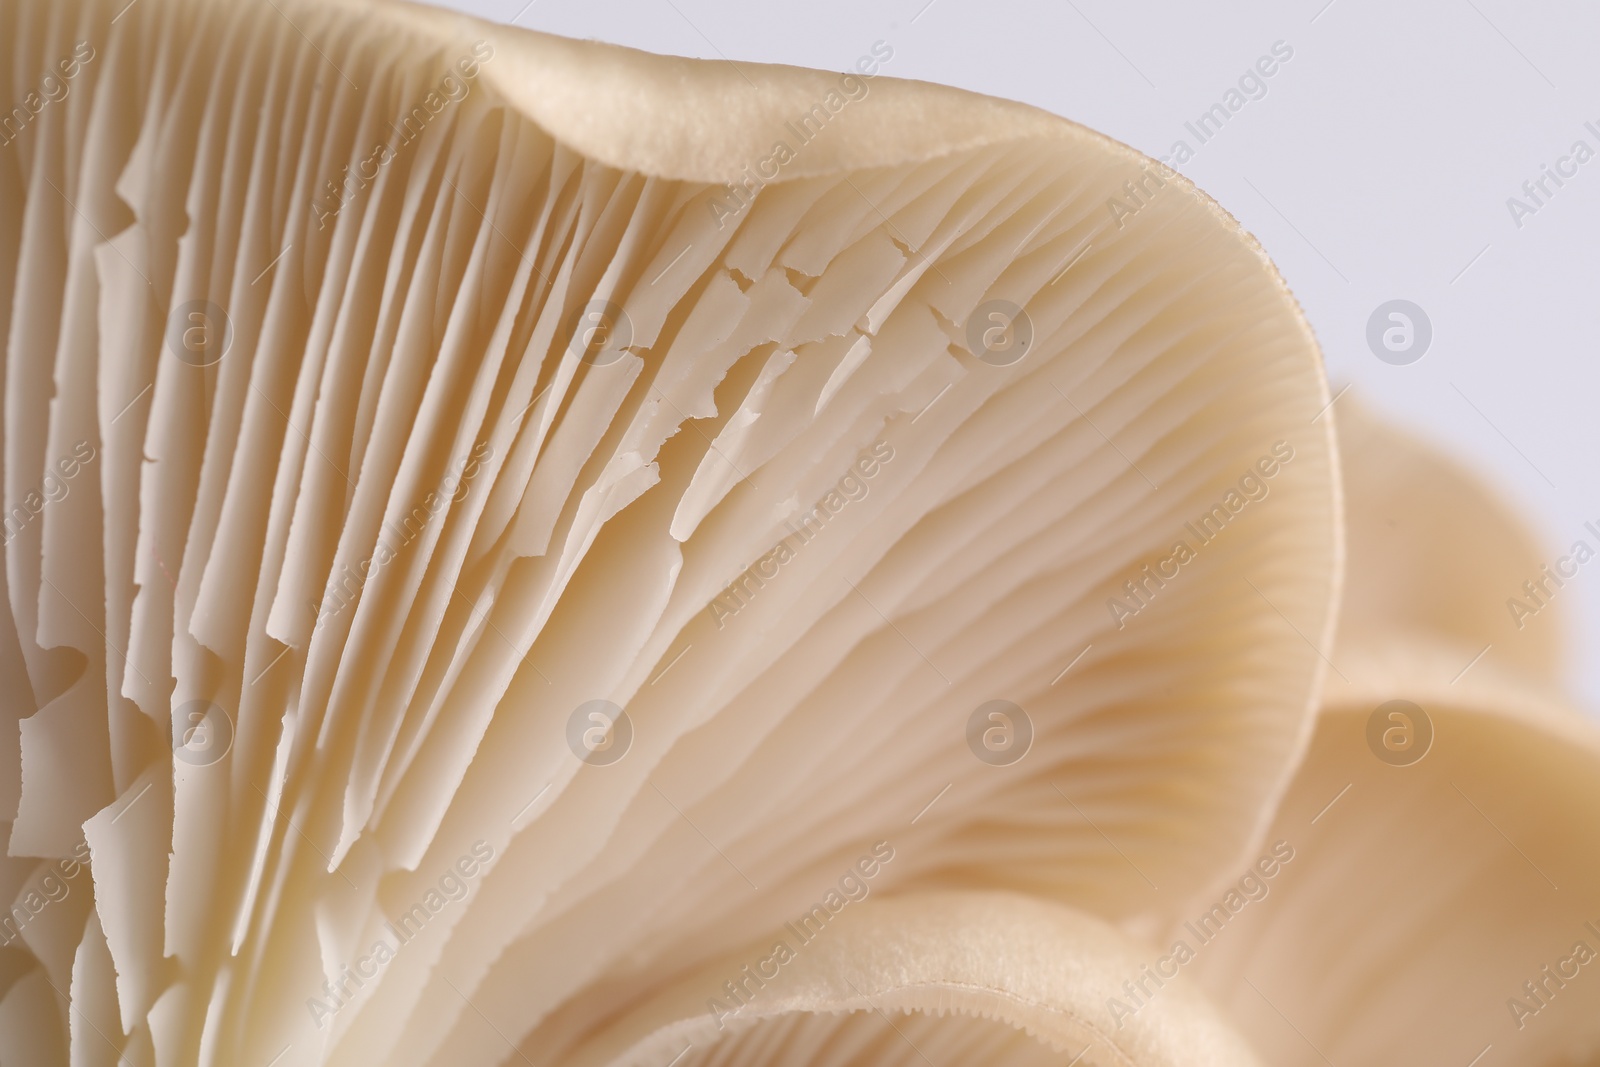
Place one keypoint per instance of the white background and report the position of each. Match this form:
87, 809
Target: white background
1377, 166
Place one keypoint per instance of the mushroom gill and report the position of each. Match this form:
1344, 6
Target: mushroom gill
490, 535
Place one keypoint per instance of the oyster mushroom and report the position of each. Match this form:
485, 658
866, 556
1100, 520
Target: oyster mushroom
537, 538
1443, 902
